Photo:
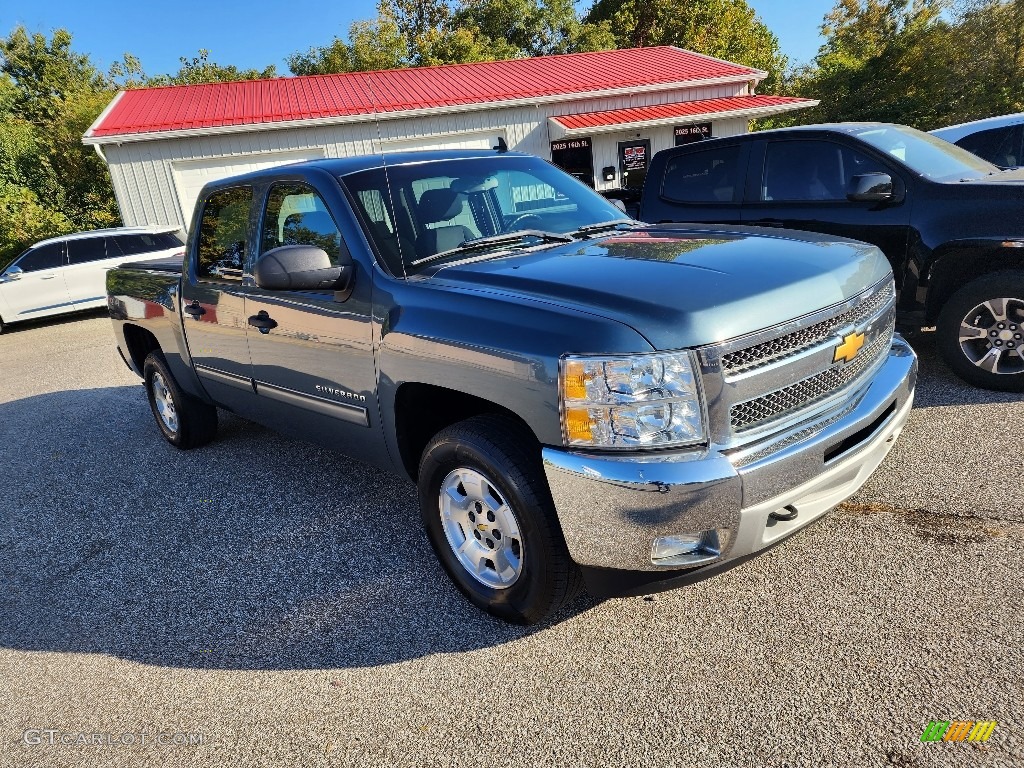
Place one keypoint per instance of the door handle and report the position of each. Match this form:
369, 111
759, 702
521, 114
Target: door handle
263, 321
47, 277
195, 310
767, 223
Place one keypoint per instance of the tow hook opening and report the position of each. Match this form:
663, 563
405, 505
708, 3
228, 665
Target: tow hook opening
786, 514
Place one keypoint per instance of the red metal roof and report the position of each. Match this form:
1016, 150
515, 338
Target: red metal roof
213, 105
677, 110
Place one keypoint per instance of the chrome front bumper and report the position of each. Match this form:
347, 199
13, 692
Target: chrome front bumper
612, 507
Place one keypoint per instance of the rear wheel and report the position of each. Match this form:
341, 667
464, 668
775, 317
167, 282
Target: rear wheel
490, 518
185, 421
981, 332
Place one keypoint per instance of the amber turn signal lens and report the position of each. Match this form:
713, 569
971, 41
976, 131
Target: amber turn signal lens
576, 378
578, 424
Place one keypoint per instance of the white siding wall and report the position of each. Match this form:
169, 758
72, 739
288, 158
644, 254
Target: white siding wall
143, 177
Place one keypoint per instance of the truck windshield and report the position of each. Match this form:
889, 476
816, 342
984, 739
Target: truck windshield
415, 211
927, 155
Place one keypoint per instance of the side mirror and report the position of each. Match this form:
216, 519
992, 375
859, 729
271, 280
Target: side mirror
300, 268
620, 205
12, 273
870, 188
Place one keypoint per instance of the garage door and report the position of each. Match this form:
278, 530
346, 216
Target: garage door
191, 175
476, 140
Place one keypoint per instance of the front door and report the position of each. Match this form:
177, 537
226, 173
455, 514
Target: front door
314, 370
804, 184
40, 289
213, 301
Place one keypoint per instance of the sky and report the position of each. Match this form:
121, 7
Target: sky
256, 33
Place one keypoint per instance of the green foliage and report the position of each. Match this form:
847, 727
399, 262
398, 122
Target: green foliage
199, 69
50, 183
413, 33
725, 29
916, 62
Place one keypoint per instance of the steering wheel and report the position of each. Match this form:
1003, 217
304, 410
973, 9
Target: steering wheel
511, 226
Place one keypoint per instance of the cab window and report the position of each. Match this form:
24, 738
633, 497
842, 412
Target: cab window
222, 234
705, 176
296, 215
816, 171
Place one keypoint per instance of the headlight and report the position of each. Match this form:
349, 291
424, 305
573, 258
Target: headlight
630, 401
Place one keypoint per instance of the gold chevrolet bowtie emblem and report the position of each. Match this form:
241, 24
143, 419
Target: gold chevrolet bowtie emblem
852, 342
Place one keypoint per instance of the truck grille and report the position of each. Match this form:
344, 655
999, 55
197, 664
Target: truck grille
774, 405
778, 377
768, 352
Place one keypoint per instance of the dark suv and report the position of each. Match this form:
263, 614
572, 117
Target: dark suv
950, 223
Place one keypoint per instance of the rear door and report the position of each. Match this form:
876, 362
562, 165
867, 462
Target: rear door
803, 185
314, 371
702, 184
213, 300
40, 289
86, 273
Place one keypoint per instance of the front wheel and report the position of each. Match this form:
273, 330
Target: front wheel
184, 421
981, 332
490, 518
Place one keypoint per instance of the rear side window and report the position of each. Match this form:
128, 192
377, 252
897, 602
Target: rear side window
86, 250
1001, 146
707, 176
130, 245
296, 215
43, 257
221, 252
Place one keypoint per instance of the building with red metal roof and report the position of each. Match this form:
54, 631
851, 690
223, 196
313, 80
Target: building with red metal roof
599, 115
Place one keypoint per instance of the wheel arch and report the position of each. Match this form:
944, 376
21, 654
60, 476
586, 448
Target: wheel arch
139, 342
422, 410
961, 263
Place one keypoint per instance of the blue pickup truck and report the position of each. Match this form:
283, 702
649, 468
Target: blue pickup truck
580, 398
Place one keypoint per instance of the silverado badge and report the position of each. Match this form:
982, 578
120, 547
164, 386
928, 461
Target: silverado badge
852, 342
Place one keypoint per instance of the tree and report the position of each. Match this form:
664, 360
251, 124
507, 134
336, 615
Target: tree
412, 33
725, 29
199, 69
50, 183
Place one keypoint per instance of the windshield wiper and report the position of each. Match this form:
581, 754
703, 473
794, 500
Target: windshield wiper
479, 243
602, 225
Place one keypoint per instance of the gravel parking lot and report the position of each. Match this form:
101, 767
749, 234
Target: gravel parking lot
276, 604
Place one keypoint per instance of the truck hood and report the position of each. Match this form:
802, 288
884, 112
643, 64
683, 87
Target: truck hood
683, 286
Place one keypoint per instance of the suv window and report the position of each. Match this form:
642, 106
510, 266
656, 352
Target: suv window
146, 243
812, 170
86, 250
706, 176
43, 257
222, 235
1001, 146
296, 215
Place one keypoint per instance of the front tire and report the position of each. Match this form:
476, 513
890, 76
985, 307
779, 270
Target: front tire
184, 421
981, 332
490, 519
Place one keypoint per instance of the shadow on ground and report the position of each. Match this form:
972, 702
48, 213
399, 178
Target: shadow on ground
939, 386
255, 552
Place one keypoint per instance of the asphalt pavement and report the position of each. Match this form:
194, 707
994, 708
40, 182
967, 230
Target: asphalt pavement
261, 601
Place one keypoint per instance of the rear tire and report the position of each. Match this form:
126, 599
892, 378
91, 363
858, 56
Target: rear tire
980, 332
489, 515
184, 421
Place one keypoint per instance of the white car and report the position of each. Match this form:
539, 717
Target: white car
1000, 140
69, 273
